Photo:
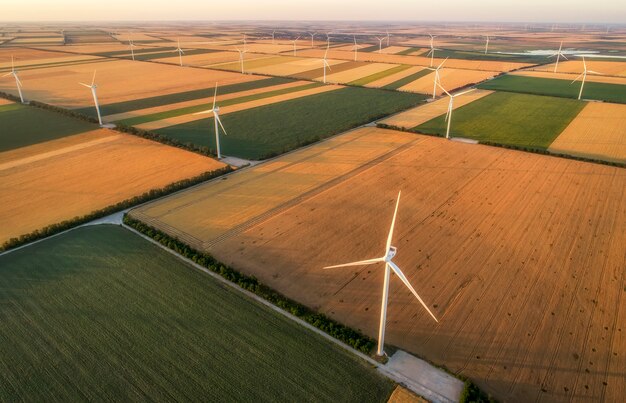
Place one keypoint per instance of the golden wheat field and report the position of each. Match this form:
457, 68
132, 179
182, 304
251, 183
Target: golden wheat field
576, 66
26, 57
571, 76
54, 181
529, 290
598, 131
451, 79
394, 77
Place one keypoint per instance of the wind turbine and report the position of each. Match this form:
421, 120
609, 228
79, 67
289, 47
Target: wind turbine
294, 45
180, 53
18, 82
380, 43
431, 53
312, 36
325, 64
244, 42
273, 32
215, 110
387, 258
437, 79
450, 104
387, 37
241, 52
584, 76
487, 44
356, 49
93, 87
558, 55
132, 47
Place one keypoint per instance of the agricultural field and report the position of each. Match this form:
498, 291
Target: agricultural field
78, 168
451, 79
28, 59
599, 132
483, 234
101, 313
591, 78
523, 120
557, 88
607, 68
269, 130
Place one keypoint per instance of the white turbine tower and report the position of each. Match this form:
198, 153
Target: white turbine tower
325, 64
388, 37
380, 44
584, 76
387, 258
273, 33
558, 55
93, 87
241, 53
132, 47
18, 82
431, 52
294, 45
487, 44
312, 36
180, 53
437, 79
450, 105
356, 49
215, 110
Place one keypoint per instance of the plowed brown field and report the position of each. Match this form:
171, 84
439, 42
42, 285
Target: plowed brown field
58, 180
521, 256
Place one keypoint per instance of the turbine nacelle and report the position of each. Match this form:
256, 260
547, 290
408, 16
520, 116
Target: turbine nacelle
391, 253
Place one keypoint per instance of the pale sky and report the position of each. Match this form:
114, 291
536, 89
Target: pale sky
600, 11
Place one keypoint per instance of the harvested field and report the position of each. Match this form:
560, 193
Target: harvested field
451, 79
392, 50
60, 179
594, 78
423, 113
208, 59
254, 63
504, 247
384, 81
103, 313
291, 67
28, 59
557, 88
357, 73
521, 120
599, 131
257, 133
402, 395
257, 191
317, 73
576, 66
150, 79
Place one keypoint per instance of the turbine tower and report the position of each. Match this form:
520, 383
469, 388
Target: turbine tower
215, 110
94, 93
584, 76
437, 79
387, 258
241, 53
487, 44
273, 33
294, 45
312, 36
180, 53
132, 48
325, 64
18, 82
380, 43
450, 104
431, 52
356, 49
558, 55
387, 37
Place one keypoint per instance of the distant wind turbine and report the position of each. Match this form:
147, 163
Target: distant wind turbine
356, 49
431, 53
437, 79
241, 53
273, 33
584, 77
312, 36
294, 45
487, 44
325, 64
180, 53
558, 55
388, 38
215, 110
18, 82
380, 44
93, 87
450, 105
387, 258
132, 48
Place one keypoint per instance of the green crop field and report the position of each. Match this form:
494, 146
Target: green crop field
101, 314
273, 129
557, 88
161, 100
23, 125
513, 119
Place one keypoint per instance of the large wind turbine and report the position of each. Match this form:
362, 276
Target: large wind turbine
487, 44
312, 36
93, 87
584, 76
437, 79
241, 52
18, 82
431, 52
450, 104
325, 64
387, 258
380, 44
294, 45
180, 52
558, 55
132, 47
215, 110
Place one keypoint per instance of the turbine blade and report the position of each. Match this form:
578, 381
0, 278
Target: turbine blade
464, 92
594, 72
359, 263
444, 90
393, 223
400, 275
576, 79
85, 85
564, 57
8, 74
204, 112
217, 117
442, 63
93, 80
18, 81
215, 95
